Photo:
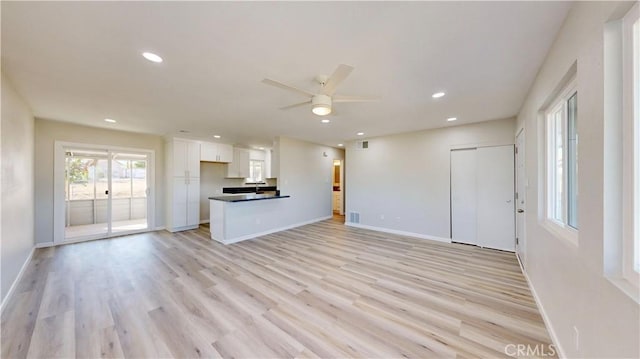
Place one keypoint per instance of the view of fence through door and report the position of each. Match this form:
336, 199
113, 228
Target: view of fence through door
105, 193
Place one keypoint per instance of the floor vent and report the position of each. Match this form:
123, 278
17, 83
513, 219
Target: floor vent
354, 217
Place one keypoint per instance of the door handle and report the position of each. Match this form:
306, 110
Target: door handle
106, 192
521, 211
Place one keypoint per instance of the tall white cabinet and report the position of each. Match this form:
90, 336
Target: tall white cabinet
482, 197
183, 184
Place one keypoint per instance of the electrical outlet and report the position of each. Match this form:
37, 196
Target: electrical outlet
258, 221
576, 337
382, 217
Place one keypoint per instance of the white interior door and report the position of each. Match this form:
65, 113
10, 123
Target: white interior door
521, 183
495, 201
463, 196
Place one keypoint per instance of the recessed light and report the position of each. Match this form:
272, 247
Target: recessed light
340, 145
261, 148
152, 57
109, 120
360, 133
216, 136
452, 119
438, 94
325, 120
183, 131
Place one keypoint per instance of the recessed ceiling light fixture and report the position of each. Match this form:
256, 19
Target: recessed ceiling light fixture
340, 145
109, 120
216, 136
360, 133
261, 148
452, 119
438, 94
326, 120
152, 57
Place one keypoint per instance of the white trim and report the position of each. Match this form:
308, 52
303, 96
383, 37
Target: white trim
259, 234
45, 245
203, 221
559, 229
160, 228
543, 313
14, 285
630, 149
395, 231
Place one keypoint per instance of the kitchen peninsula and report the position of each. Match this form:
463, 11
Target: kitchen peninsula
244, 216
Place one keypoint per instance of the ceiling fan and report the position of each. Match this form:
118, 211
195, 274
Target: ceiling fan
321, 102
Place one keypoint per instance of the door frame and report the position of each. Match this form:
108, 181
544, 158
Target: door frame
520, 155
58, 190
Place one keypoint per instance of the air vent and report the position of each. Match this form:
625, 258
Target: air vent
354, 217
362, 145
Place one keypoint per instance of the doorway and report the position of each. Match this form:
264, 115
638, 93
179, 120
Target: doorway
337, 174
101, 192
521, 184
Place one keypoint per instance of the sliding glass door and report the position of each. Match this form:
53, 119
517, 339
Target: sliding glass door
106, 193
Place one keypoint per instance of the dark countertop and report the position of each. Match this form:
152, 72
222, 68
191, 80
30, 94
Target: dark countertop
247, 197
248, 189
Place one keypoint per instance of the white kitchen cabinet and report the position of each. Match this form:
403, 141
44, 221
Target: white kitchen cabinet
184, 158
183, 184
239, 168
216, 152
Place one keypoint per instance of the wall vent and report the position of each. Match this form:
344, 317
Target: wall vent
362, 145
354, 217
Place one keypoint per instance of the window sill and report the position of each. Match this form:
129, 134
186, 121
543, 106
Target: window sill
561, 231
626, 287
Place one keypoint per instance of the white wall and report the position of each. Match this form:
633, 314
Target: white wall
212, 179
307, 176
569, 280
47, 132
17, 212
401, 182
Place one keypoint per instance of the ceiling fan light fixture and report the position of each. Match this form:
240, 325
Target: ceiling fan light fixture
321, 105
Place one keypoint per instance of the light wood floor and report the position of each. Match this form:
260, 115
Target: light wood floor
322, 290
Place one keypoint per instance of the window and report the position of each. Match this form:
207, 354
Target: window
562, 160
256, 171
631, 146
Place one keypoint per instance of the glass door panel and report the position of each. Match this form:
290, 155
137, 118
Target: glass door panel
105, 193
129, 196
86, 181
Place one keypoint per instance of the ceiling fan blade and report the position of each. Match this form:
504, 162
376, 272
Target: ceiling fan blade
296, 105
341, 73
287, 87
342, 98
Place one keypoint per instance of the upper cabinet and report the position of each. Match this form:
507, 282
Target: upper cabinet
185, 158
216, 152
239, 168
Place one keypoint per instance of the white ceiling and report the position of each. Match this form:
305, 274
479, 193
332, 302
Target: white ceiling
81, 62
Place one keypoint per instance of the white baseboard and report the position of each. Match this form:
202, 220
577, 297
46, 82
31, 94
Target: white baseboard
395, 231
545, 317
44, 245
160, 228
279, 229
203, 221
17, 280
